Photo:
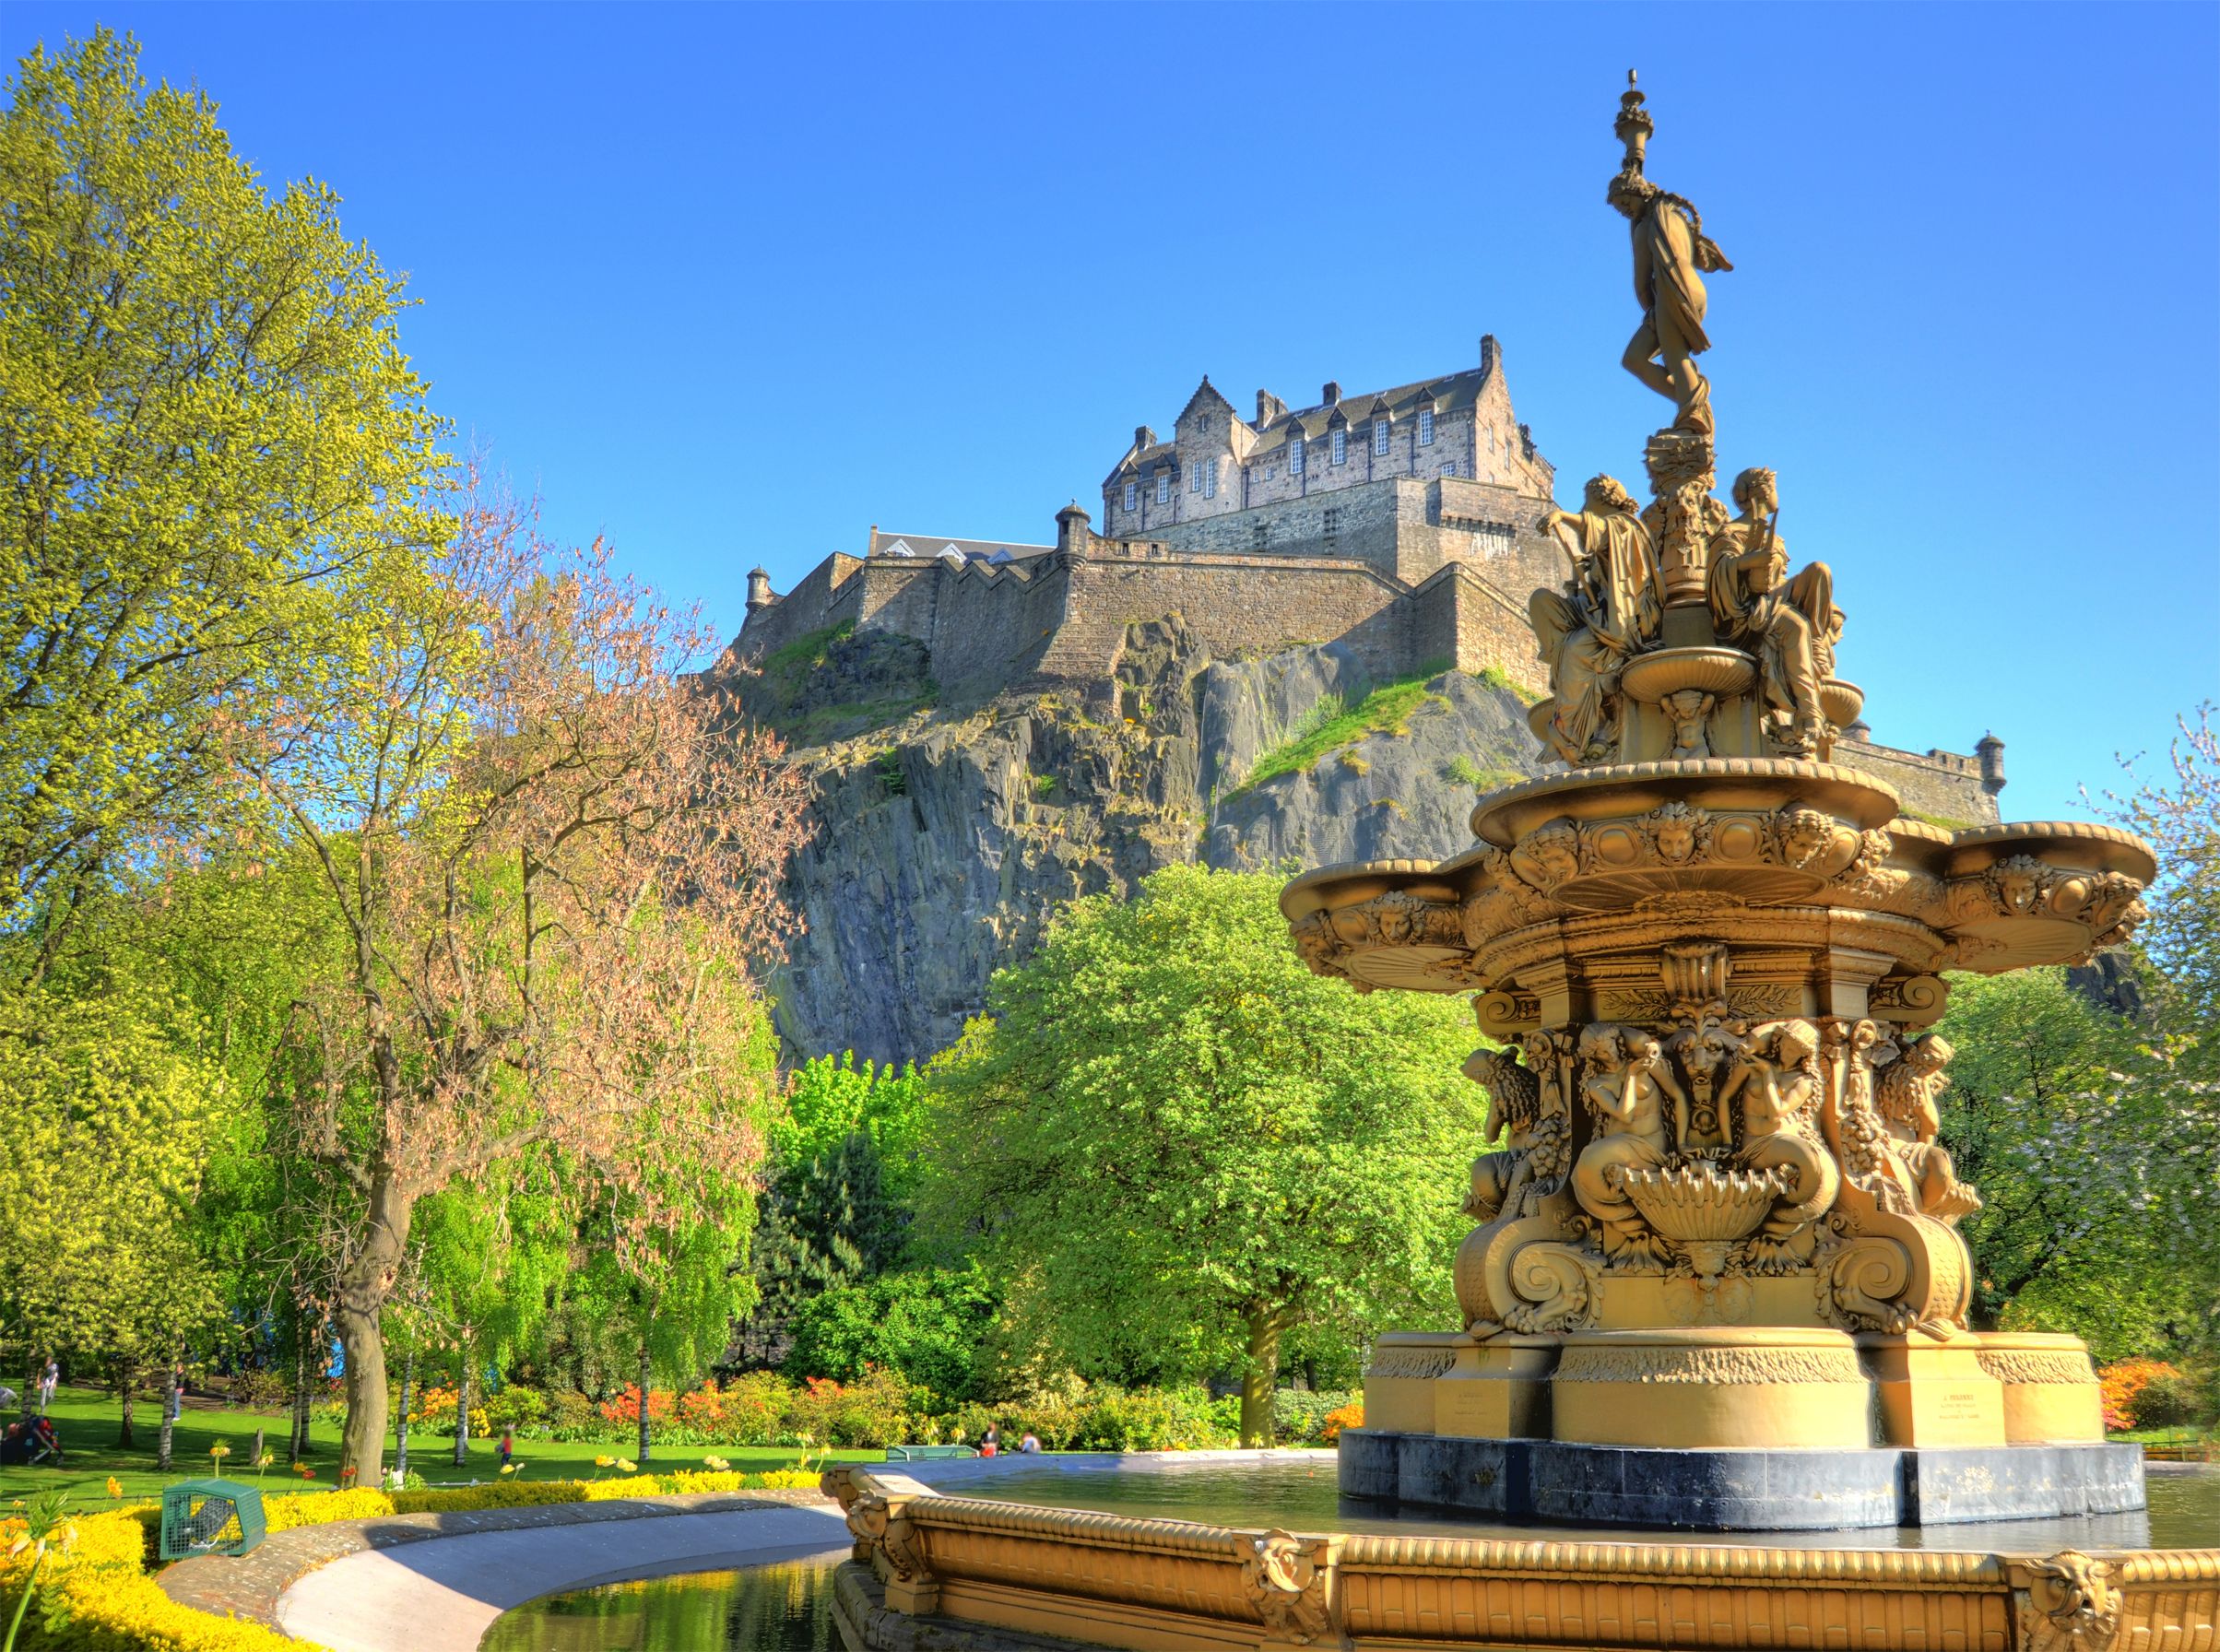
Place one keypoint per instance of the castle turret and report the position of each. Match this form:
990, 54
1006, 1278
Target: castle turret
1991, 750
1073, 530
758, 589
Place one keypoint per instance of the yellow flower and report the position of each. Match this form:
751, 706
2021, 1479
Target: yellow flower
718, 1463
603, 1462
508, 1468
115, 1486
629, 1467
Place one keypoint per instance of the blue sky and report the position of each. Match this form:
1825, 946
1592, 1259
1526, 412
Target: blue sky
732, 283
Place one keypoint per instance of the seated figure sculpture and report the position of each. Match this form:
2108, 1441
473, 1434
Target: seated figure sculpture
1608, 610
1905, 1092
1777, 1080
1790, 624
1625, 1080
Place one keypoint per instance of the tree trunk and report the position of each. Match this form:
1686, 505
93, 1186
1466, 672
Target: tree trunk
295, 1441
1260, 1376
644, 1376
125, 1384
360, 1303
161, 1452
462, 1411
400, 1433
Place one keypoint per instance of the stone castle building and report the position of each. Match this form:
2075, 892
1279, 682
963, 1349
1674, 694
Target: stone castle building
1400, 523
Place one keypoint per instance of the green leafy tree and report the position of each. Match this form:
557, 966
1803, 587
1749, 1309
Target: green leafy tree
845, 1154
217, 455
928, 1324
110, 1094
1171, 1145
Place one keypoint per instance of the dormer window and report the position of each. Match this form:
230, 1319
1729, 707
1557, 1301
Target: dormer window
1380, 435
1132, 495
1294, 455
1164, 484
1425, 427
1341, 445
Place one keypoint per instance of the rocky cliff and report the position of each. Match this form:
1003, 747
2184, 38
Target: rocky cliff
942, 837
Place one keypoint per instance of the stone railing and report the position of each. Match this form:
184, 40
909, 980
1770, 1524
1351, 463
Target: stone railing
1114, 1581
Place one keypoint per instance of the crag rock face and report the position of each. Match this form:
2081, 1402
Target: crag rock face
942, 841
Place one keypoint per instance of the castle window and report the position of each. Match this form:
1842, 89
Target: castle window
1341, 445
1195, 479
1380, 435
1294, 456
1449, 468
1425, 427
1132, 495
1333, 523
1164, 485
1209, 480
1260, 534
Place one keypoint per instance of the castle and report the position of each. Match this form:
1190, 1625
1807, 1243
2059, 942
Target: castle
1400, 523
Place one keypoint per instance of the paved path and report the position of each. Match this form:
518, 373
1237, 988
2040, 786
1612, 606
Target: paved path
434, 1582
442, 1596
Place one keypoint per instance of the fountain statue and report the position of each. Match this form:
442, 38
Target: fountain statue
1720, 1222
1715, 1280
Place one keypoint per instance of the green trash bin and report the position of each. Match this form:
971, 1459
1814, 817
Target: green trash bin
210, 1517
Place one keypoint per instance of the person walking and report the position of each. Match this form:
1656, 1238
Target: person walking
47, 1380
508, 1442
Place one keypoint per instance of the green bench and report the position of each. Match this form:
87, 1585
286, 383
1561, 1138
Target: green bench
926, 1454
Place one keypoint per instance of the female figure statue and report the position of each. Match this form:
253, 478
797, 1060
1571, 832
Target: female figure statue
1608, 609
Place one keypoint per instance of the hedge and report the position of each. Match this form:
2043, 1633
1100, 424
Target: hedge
116, 1606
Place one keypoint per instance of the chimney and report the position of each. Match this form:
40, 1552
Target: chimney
1991, 752
1332, 393
1269, 407
1143, 437
758, 589
1072, 530
1491, 353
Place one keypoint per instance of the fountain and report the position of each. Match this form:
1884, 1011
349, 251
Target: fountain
1716, 1282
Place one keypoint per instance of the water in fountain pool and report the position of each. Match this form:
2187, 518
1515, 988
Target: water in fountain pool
787, 1607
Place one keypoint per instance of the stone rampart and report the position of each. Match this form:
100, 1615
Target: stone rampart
1943, 785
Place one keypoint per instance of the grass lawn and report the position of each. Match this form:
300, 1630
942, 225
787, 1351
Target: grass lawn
87, 1420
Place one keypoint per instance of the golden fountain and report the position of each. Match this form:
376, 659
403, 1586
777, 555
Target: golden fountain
1715, 1280
1721, 1222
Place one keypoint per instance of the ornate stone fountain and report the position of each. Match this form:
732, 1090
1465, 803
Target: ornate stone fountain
1717, 1279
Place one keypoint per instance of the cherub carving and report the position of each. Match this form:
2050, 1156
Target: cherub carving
1906, 1091
1609, 608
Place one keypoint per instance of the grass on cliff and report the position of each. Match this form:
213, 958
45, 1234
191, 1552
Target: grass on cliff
1331, 725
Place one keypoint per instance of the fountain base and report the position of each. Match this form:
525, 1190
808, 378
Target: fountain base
1745, 1489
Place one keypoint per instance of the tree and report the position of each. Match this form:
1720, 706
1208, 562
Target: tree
217, 459
2094, 1135
111, 1099
928, 1324
844, 1151
1170, 1144
553, 863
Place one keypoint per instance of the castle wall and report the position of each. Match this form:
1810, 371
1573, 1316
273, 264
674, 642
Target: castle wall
826, 596
1236, 603
1457, 616
1941, 785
